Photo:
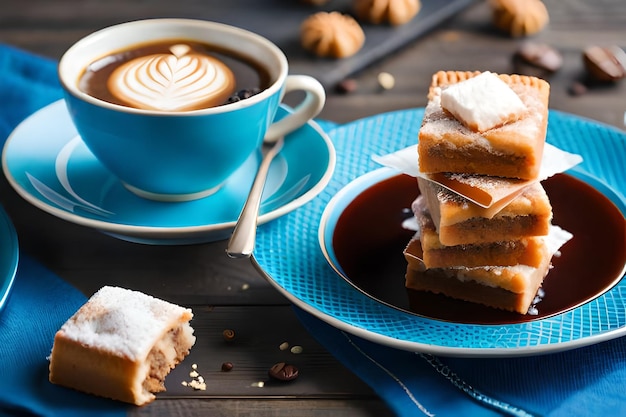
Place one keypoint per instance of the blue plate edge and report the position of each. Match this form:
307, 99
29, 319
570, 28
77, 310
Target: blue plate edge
10, 261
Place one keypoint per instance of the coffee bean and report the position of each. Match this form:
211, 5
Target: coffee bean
243, 94
228, 335
346, 86
605, 63
227, 366
577, 89
283, 372
540, 55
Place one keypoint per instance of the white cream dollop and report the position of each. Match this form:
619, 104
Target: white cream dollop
482, 102
179, 81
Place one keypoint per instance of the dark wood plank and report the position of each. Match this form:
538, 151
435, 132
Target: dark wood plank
470, 43
259, 332
466, 42
252, 407
380, 39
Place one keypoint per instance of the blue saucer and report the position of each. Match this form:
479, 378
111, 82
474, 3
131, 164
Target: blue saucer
47, 163
9, 250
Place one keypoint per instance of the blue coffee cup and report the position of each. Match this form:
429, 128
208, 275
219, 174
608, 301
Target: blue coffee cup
172, 155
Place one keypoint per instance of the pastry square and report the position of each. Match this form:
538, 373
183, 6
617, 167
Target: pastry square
511, 288
121, 344
512, 150
456, 284
524, 251
459, 221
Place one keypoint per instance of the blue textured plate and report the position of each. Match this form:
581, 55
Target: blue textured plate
49, 166
9, 251
307, 279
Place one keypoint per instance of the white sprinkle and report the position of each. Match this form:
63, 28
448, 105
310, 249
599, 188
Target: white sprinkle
197, 385
386, 80
259, 384
197, 381
284, 346
296, 349
244, 287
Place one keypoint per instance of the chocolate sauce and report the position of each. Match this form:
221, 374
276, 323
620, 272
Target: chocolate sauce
369, 240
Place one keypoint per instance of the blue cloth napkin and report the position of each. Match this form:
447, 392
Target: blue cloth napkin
588, 381
38, 305
28, 83
40, 302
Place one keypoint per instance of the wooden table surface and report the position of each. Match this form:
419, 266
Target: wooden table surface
202, 276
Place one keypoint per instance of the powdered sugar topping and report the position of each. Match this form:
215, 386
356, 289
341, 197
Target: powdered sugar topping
123, 321
482, 102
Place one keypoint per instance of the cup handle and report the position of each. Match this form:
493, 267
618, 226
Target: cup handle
306, 110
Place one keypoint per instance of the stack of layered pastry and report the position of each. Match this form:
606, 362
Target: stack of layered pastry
483, 215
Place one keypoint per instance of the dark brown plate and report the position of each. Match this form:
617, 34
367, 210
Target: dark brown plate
368, 241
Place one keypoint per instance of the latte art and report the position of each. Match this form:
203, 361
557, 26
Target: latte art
178, 81
172, 75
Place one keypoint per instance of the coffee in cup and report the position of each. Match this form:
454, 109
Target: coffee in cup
158, 102
172, 75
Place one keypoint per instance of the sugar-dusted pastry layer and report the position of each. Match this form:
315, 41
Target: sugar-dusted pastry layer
121, 344
459, 221
435, 281
524, 251
510, 288
513, 150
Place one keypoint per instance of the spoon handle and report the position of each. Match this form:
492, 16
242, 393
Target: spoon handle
241, 242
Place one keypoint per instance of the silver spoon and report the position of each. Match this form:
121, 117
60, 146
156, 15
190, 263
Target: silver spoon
241, 242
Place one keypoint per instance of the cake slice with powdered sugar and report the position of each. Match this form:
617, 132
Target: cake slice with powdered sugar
121, 344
